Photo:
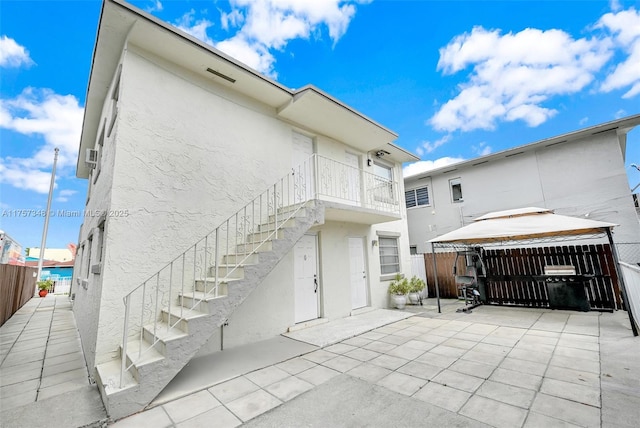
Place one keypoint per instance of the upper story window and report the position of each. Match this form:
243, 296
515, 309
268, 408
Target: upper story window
99, 148
456, 190
384, 182
417, 197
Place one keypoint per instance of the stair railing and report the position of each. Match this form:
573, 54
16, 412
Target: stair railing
214, 260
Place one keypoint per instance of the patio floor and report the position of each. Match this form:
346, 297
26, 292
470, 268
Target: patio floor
495, 366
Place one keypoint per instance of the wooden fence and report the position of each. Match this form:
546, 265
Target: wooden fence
446, 281
17, 285
602, 290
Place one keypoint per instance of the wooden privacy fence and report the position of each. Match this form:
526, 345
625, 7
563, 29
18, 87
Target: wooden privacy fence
17, 285
597, 260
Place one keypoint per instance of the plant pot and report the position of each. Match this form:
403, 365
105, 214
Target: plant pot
414, 298
43, 293
399, 300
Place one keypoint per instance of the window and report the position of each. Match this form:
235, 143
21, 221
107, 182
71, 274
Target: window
389, 256
88, 253
101, 243
99, 147
417, 197
115, 96
413, 250
456, 190
383, 186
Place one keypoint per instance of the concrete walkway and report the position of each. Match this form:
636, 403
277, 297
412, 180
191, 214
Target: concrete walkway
43, 374
496, 366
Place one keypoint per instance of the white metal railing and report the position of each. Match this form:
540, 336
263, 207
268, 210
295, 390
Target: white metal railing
216, 257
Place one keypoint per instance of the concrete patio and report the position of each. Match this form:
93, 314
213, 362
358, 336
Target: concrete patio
496, 366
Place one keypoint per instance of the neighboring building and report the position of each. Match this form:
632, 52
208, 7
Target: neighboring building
10, 250
580, 174
57, 254
179, 140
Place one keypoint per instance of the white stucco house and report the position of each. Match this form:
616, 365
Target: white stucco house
579, 174
219, 199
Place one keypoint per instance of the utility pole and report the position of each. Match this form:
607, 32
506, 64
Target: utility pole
46, 217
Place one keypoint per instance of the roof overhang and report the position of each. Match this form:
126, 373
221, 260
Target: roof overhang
321, 113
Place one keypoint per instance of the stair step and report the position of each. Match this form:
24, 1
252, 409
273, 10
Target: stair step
223, 285
288, 211
198, 300
267, 227
250, 259
163, 333
138, 360
180, 316
227, 271
260, 248
108, 377
261, 236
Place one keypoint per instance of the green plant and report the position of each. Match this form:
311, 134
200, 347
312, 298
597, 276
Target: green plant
45, 284
416, 285
400, 285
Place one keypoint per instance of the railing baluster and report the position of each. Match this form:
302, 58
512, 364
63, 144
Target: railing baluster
155, 318
170, 284
125, 333
206, 271
215, 262
182, 286
144, 291
195, 257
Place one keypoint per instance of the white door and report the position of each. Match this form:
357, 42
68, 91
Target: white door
306, 279
358, 273
302, 170
352, 175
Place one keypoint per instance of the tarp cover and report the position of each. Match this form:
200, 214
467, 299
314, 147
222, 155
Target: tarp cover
522, 224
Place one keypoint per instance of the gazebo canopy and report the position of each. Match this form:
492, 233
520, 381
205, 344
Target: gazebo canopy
521, 224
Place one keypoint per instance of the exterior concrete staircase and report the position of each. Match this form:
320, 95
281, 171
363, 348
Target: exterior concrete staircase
151, 356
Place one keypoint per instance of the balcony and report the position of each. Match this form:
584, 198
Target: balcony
349, 193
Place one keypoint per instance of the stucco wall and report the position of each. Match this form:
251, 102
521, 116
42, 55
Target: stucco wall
190, 153
576, 178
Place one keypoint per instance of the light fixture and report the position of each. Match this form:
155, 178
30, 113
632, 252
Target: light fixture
369, 162
381, 153
374, 243
225, 77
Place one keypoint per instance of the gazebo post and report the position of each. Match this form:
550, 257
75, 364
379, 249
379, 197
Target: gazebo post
435, 276
623, 287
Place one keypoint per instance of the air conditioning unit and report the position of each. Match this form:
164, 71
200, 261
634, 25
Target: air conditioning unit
91, 158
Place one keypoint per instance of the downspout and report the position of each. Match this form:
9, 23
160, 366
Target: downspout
435, 276
623, 287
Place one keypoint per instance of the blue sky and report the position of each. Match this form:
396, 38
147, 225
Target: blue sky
455, 79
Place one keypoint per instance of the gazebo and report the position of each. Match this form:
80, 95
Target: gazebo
530, 226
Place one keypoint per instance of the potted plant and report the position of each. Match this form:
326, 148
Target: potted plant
44, 286
398, 289
416, 285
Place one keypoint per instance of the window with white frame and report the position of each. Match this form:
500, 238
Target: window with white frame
383, 191
389, 255
417, 197
456, 190
99, 148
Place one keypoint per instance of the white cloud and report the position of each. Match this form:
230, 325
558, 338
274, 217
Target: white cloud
65, 194
423, 166
429, 147
620, 113
512, 75
197, 28
482, 149
23, 178
584, 120
266, 25
12, 54
55, 118
156, 7
625, 29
